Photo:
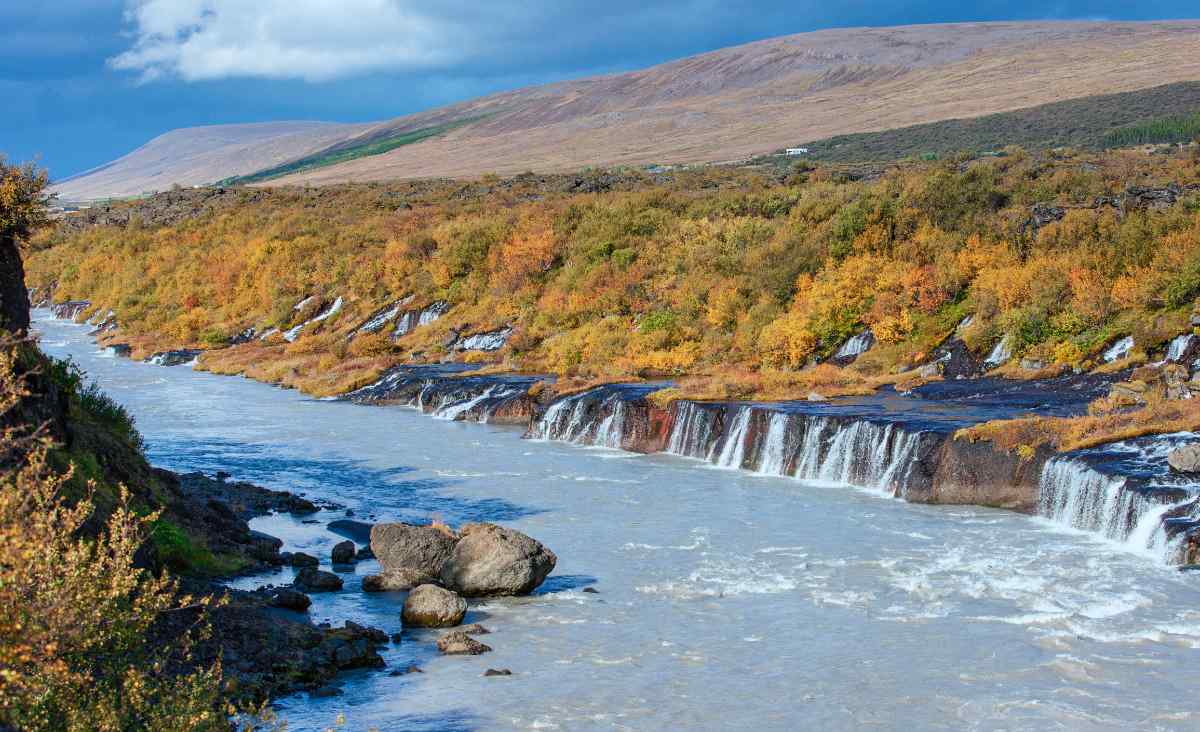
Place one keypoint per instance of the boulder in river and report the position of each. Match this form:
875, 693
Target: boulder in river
492, 560
393, 581
1185, 459
343, 552
300, 559
430, 606
458, 643
312, 579
413, 549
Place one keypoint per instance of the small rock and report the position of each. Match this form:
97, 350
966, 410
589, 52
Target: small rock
412, 669
365, 553
816, 396
300, 559
457, 643
1033, 364
497, 672
473, 629
430, 606
312, 579
591, 590
343, 552
396, 637
1185, 459
290, 600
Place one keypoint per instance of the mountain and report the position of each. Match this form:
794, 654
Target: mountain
728, 104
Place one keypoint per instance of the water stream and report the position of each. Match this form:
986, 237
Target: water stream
726, 599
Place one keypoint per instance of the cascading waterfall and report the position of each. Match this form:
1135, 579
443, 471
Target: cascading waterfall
854, 452
733, 451
1074, 494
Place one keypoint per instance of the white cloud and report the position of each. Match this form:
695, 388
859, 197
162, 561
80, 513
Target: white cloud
315, 40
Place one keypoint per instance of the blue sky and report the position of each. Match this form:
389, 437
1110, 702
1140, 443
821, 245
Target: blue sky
86, 81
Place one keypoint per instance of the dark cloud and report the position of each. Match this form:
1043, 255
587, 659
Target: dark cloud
84, 83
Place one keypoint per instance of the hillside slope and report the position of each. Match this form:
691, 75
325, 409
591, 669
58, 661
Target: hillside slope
755, 98
199, 155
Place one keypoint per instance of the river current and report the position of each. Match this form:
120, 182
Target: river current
725, 600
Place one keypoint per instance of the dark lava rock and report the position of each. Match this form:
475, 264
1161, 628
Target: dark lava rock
375, 635
410, 670
173, 358
430, 606
457, 643
497, 672
312, 579
246, 499
492, 560
392, 581
290, 600
591, 590
365, 552
122, 350
414, 549
343, 552
300, 559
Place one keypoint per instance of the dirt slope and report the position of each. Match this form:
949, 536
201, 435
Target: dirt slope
762, 96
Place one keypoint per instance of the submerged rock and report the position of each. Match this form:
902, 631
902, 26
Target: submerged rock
458, 643
493, 560
430, 606
312, 579
497, 672
418, 551
1185, 459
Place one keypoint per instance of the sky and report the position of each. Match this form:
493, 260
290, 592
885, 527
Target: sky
86, 81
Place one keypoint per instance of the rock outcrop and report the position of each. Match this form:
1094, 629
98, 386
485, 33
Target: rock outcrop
1185, 459
492, 560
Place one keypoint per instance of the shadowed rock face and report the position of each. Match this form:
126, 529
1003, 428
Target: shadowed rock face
14, 300
411, 552
969, 473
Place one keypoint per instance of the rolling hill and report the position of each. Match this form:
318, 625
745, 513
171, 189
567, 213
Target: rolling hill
727, 104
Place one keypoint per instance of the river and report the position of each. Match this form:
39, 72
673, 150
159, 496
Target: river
725, 600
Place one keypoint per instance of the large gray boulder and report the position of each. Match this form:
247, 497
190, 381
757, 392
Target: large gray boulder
492, 560
430, 606
416, 551
1185, 459
457, 643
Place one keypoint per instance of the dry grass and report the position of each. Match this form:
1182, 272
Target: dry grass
767, 385
1077, 433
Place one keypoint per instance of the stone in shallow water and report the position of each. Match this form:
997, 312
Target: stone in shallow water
300, 559
343, 552
291, 600
457, 643
497, 672
312, 579
392, 581
430, 606
415, 550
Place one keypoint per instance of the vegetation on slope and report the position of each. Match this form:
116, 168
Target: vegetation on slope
728, 281
76, 604
342, 152
1164, 114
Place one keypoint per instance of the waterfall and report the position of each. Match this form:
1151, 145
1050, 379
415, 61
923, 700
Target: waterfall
1075, 495
1001, 353
810, 447
450, 408
773, 457
612, 429
733, 452
1179, 346
1118, 350
693, 431
565, 420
